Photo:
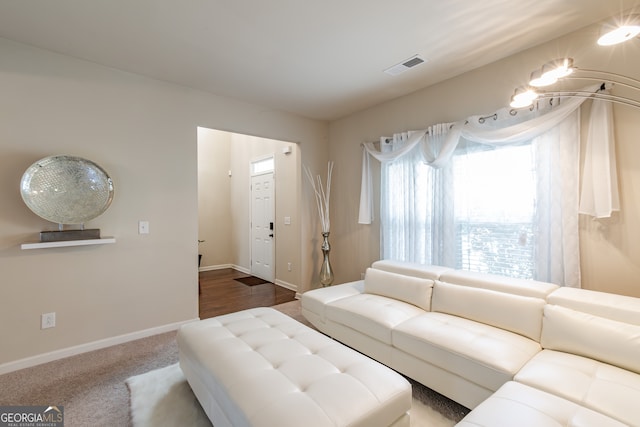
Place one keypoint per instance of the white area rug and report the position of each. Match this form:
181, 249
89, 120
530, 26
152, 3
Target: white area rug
163, 397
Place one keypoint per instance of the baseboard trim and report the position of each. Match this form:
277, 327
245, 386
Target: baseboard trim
215, 267
223, 266
241, 269
286, 285
84, 348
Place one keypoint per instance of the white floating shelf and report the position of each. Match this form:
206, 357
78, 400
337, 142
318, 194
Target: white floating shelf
66, 243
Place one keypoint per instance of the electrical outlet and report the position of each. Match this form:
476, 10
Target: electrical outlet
288, 266
48, 320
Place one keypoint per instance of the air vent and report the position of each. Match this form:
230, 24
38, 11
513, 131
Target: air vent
405, 65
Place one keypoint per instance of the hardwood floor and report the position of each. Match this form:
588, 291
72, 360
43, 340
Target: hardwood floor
221, 294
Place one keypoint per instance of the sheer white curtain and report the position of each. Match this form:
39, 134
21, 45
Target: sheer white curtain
416, 219
599, 197
557, 156
411, 204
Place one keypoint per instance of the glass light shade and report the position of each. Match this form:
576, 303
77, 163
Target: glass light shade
611, 35
557, 69
523, 97
539, 79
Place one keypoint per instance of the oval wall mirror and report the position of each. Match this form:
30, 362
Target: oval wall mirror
66, 189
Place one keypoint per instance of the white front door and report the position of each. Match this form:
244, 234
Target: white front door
262, 226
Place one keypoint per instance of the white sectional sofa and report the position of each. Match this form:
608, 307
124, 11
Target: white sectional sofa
516, 352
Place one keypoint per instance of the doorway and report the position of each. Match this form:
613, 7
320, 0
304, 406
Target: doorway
225, 210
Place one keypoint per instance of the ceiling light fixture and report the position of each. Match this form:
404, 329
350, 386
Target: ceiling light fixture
555, 70
562, 68
540, 79
518, 103
621, 32
523, 97
551, 72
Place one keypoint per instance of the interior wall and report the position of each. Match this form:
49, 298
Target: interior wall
214, 193
288, 192
144, 133
610, 253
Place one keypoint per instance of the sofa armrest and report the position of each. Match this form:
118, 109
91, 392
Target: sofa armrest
313, 302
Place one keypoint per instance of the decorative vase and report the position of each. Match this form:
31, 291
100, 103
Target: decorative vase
326, 273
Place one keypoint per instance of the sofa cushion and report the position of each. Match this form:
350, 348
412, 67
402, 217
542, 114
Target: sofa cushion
524, 287
606, 340
412, 290
516, 404
314, 302
424, 271
519, 314
483, 354
372, 315
602, 387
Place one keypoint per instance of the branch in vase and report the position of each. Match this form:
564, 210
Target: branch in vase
322, 195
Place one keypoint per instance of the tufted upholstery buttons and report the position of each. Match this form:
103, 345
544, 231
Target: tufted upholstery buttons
259, 367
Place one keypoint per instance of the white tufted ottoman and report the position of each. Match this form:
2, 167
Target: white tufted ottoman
260, 367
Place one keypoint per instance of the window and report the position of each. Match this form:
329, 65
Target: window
265, 165
494, 199
477, 214
508, 203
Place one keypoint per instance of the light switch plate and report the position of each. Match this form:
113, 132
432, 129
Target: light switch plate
143, 227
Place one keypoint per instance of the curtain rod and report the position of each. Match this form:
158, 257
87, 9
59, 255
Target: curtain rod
551, 96
388, 139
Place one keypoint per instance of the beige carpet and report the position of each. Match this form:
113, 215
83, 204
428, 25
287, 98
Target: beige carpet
163, 397
91, 386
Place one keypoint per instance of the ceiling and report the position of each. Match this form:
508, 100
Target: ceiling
319, 59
